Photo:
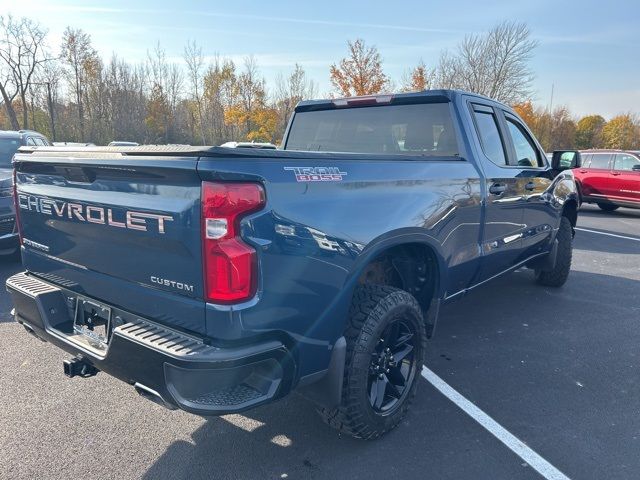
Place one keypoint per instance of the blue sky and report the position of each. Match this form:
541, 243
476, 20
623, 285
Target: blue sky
589, 50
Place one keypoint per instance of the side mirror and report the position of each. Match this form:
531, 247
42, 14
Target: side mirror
636, 167
566, 159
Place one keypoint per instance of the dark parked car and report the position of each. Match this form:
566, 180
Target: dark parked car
609, 178
216, 279
10, 141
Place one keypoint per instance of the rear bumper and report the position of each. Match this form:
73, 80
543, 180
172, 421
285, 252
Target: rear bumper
166, 365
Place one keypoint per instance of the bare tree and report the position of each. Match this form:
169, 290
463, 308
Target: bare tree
166, 84
251, 93
360, 73
495, 64
289, 91
220, 95
82, 59
22, 45
195, 62
50, 76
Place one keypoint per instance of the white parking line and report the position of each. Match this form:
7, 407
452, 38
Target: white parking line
543, 467
607, 234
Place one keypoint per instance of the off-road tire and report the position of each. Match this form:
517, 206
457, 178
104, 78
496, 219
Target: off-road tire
607, 207
374, 308
558, 276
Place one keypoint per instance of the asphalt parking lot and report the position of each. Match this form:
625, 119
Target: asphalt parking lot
559, 369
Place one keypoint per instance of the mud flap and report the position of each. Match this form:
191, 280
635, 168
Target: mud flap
327, 390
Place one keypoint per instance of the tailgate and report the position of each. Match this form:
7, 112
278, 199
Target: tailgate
121, 229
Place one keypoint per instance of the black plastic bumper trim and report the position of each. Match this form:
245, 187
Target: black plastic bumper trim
180, 369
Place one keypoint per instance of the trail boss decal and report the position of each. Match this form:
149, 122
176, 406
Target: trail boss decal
89, 213
317, 174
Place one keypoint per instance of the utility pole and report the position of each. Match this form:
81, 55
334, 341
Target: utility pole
551, 117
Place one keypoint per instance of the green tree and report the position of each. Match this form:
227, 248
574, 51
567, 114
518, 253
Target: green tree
621, 132
589, 132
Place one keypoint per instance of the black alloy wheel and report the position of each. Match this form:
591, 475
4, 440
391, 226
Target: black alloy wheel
392, 368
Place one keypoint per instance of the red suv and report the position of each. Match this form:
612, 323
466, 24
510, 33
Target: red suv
609, 178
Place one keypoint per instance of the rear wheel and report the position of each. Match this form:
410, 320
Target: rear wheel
385, 352
607, 207
560, 272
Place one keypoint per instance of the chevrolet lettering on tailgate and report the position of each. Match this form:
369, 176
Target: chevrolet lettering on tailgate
91, 213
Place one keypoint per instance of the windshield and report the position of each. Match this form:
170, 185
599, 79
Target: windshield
420, 129
8, 146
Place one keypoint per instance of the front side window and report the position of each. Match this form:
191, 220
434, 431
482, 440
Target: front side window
625, 161
420, 129
600, 160
489, 134
526, 153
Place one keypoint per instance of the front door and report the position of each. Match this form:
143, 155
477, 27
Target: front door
539, 215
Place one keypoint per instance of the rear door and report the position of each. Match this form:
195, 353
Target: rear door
503, 228
117, 228
625, 180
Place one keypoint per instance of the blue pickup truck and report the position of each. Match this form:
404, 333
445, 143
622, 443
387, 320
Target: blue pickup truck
215, 280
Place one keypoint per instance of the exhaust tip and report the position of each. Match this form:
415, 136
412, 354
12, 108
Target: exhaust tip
152, 395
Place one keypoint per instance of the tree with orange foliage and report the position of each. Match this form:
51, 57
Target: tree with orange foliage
418, 79
360, 73
526, 112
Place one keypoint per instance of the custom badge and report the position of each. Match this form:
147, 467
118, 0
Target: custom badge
317, 174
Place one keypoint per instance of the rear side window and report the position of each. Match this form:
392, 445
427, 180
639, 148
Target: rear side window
600, 160
490, 138
421, 129
625, 161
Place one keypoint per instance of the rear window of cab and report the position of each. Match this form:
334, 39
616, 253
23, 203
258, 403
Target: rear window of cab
416, 129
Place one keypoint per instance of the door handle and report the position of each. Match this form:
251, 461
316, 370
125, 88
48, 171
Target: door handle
615, 173
530, 186
497, 189
583, 171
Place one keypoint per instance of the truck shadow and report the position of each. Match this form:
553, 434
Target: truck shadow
284, 440
289, 440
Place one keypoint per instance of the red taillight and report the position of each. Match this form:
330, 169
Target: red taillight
230, 265
17, 205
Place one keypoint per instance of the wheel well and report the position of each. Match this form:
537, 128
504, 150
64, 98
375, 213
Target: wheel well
412, 267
